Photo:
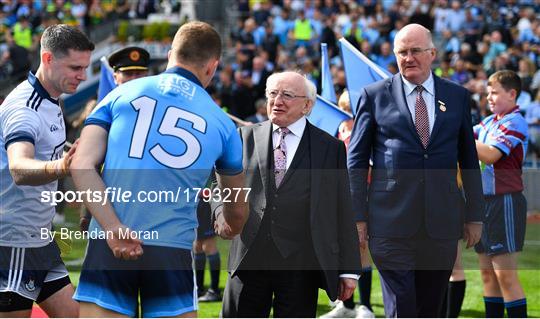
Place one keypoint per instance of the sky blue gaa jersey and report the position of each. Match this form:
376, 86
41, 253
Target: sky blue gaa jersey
165, 136
509, 135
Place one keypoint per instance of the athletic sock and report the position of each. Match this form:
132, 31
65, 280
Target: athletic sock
444, 306
516, 308
456, 293
215, 264
494, 307
200, 262
364, 287
349, 303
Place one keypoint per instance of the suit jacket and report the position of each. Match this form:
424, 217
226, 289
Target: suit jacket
332, 226
412, 186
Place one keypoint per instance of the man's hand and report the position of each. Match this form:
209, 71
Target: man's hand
66, 160
361, 228
472, 233
221, 228
346, 288
123, 245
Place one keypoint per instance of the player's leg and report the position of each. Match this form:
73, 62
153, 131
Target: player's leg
456, 289
214, 262
200, 263
91, 310
13, 305
56, 298
505, 267
493, 300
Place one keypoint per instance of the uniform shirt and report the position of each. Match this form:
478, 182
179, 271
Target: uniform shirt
165, 134
509, 135
28, 114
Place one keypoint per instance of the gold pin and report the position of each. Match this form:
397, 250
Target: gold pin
442, 108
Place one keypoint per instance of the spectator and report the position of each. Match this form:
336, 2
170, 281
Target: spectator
533, 120
385, 58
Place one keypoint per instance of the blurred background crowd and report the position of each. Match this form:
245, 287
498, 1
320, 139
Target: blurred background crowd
474, 38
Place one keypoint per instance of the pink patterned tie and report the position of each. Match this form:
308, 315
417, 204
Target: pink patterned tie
280, 156
421, 117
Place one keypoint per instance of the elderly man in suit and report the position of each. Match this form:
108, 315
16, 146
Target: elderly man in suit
300, 226
415, 127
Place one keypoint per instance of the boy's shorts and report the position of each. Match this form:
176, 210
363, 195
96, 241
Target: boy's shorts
163, 276
204, 216
503, 230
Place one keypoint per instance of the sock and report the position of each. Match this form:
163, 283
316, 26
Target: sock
200, 262
494, 307
456, 293
215, 265
364, 287
516, 308
349, 303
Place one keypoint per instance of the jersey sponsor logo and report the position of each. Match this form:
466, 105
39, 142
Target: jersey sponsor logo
177, 84
54, 128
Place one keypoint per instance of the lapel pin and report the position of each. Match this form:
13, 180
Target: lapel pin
442, 108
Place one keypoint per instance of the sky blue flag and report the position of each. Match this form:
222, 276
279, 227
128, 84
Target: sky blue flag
327, 84
327, 116
106, 80
360, 71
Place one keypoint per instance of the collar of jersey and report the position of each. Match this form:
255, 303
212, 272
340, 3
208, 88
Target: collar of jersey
185, 73
33, 80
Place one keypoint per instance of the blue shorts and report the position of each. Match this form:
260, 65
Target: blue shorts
163, 276
204, 216
503, 230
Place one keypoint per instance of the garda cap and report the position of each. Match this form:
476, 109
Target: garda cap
130, 58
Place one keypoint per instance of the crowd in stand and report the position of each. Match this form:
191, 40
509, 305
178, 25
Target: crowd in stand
474, 38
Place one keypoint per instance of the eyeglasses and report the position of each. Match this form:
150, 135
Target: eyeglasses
414, 52
286, 95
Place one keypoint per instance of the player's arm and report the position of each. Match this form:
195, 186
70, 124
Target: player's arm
232, 215
488, 154
26, 170
84, 170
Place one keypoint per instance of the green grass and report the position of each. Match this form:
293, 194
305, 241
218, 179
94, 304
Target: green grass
473, 305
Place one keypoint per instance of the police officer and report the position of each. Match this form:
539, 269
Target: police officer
129, 63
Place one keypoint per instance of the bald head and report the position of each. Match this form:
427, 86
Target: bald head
417, 30
415, 52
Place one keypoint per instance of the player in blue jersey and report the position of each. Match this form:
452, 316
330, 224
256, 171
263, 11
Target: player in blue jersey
501, 142
32, 138
156, 135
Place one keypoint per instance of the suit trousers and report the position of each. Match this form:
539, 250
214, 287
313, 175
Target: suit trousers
414, 273
255, 291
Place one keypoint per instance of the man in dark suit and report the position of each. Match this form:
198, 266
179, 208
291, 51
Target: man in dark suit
416, 128
300, 226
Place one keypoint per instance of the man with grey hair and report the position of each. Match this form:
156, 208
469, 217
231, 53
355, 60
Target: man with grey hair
32, 138
416, 129
300, 227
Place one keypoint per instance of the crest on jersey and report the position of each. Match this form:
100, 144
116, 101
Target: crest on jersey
30, 285
178, 85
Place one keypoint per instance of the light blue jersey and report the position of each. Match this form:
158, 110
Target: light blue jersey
165, 136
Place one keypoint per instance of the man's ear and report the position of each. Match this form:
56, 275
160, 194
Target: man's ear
211, 67
46, 58
308, 107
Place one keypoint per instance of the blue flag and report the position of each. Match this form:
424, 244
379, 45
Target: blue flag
327, 84
327, 116
360, 71
106, 80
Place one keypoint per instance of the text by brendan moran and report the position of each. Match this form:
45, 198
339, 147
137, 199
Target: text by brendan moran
66, 233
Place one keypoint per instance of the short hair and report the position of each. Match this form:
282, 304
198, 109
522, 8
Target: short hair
195, 43
508, 79
311, 89
60, 38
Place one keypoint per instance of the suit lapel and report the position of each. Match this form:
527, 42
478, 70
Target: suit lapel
398, 93
440, 96
263, 140
318, 149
